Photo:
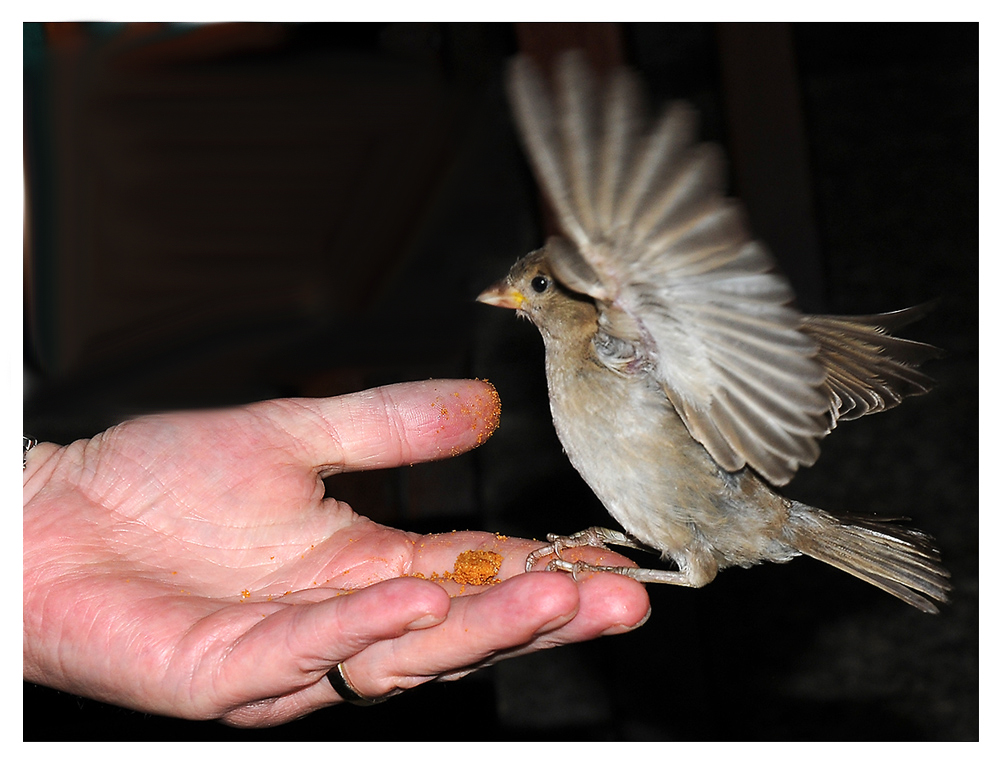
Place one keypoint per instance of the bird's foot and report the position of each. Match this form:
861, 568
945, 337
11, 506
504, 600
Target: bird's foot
640, 574
599, 537
602, 537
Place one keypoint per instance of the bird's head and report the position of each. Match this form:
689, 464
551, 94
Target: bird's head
533, 291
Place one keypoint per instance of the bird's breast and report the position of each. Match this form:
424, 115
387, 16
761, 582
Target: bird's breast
625, 439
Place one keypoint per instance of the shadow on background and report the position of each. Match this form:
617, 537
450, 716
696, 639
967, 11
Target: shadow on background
227, 213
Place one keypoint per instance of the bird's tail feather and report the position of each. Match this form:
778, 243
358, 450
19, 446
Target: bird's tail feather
898, 559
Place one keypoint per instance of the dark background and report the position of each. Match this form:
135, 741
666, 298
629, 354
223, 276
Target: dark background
220, 214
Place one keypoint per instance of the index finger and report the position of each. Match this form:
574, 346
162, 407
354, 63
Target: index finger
464, 561
395, 425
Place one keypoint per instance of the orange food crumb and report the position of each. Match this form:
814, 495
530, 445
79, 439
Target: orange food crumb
491, 409
477, 567
471, 568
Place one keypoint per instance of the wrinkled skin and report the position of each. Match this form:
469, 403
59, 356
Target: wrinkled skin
189, 565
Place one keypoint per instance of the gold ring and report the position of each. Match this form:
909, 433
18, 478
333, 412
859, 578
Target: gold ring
339, 680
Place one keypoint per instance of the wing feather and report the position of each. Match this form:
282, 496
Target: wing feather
868, 370
620, 130
579, 129
674, 270
662, 154
536, 118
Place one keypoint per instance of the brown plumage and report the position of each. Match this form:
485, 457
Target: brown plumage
682, 382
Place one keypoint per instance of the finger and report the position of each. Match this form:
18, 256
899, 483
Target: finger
503, 617
445, 558
529, 613
294, 646
609, 604
389, 426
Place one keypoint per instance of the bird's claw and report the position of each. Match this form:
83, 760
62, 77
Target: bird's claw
575, 568
598, 537
540, 553
564, 565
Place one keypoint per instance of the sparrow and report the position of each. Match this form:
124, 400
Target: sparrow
684, 385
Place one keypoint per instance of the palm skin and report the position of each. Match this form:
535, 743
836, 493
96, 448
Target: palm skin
188, 564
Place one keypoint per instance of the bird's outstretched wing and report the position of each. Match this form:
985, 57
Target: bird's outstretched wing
670, 260
867, 369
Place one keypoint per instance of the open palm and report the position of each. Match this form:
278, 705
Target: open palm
188, 564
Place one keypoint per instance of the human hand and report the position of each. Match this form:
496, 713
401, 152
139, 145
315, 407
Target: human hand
188, 564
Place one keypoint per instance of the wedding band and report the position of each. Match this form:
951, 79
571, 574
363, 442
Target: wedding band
339, 680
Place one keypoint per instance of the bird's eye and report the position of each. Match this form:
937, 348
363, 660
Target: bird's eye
539, 283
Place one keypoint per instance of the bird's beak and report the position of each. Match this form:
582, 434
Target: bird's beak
502, 294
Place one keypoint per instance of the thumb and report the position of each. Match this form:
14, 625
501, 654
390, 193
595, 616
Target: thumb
389, 426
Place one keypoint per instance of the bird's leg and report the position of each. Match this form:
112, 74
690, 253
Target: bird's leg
599, 537
694, 574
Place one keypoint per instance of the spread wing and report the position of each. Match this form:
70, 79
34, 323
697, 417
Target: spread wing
671, 262
869, 370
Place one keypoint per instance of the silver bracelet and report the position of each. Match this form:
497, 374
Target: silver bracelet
29, 443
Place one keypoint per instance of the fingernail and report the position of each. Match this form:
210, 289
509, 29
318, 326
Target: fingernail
557, 622
424, 621
615, 630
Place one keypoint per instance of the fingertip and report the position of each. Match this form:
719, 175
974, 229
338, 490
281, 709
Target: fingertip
419, 603
484, 402
429, 594
622, 602
435, 605
467, 414
554, 597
